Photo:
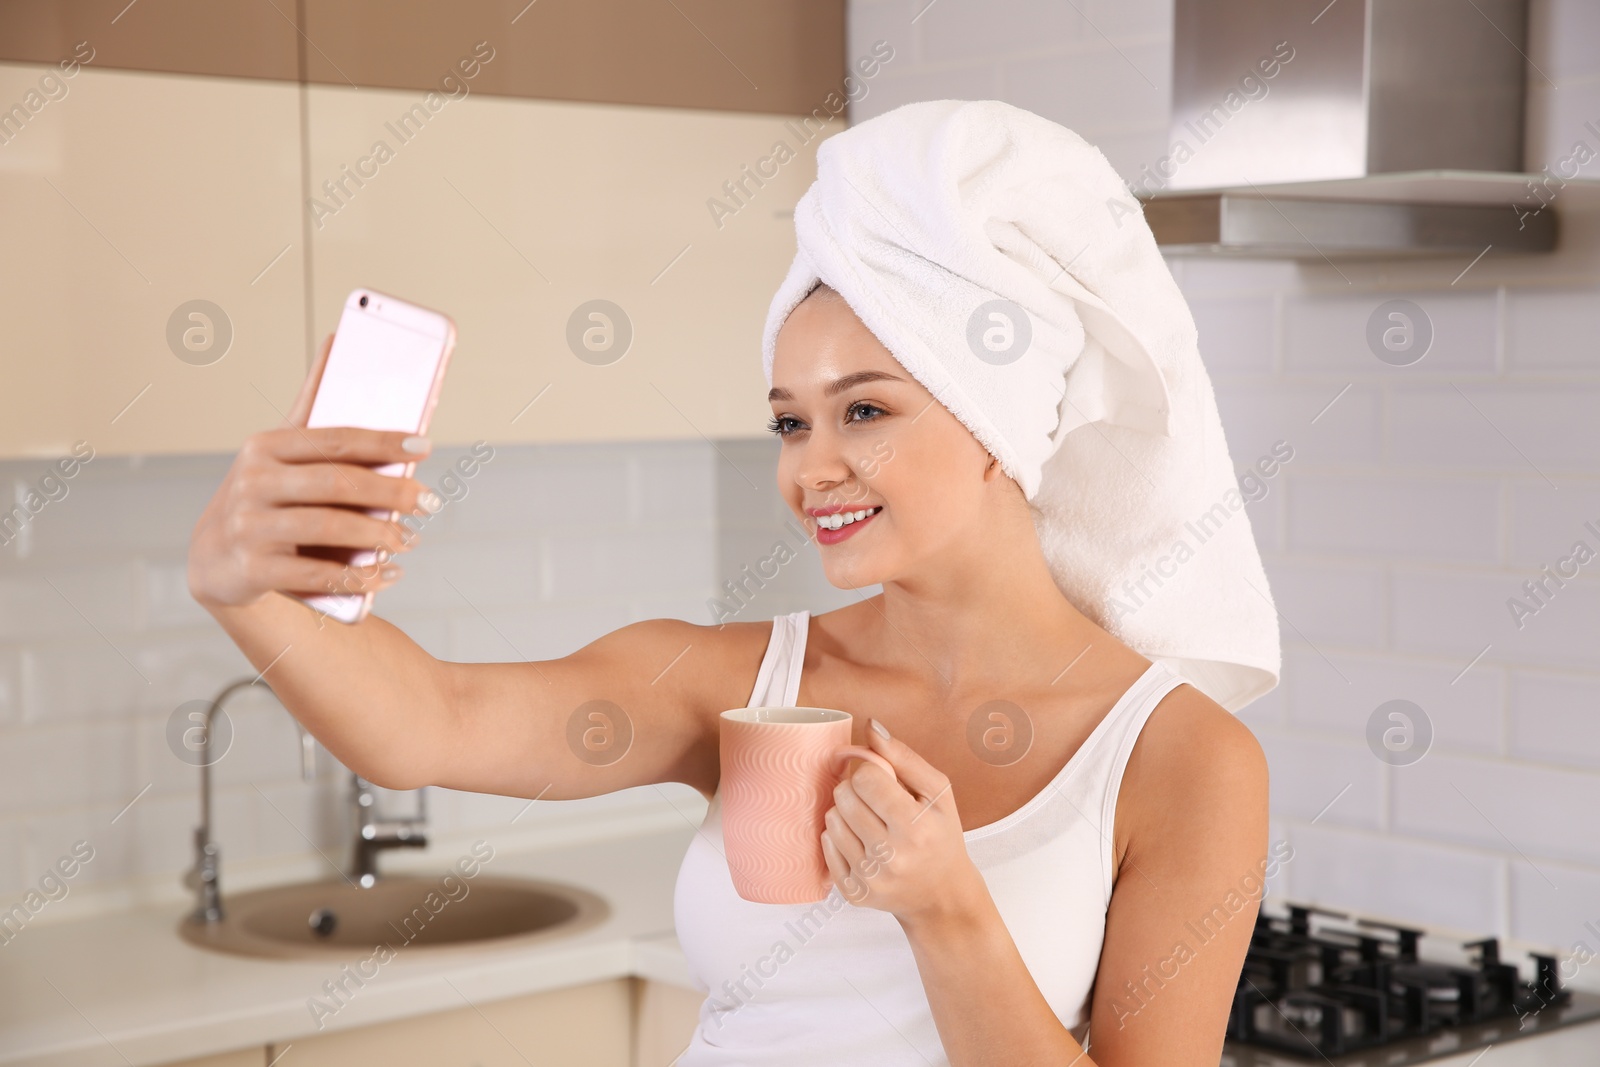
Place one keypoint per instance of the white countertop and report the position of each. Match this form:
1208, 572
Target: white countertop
129, 991
1575, 1046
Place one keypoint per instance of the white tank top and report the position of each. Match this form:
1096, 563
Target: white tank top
833, 983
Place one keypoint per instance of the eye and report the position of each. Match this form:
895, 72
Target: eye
785, 425
863, 405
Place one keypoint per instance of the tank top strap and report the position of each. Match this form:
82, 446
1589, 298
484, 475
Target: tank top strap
778, 680
1125, 734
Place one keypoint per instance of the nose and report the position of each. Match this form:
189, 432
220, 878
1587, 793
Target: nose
822, 466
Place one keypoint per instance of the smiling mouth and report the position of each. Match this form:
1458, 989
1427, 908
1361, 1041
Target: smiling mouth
841, 519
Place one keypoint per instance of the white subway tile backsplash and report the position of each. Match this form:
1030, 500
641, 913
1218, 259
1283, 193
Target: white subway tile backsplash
91, 602
1238, 335
112, 831
1335, 783
1400, 879
117, 506
486, 572
549, 631
95, 657
1338, 604
676, 483
1553, 329
490, 811
77, 678
1555, 718
294, 818
1556, 904
1545, 524
1341, 693
625, 563
166, 592
179, 666
62, 766
165, 828
1330, 334
524, 489
1531, 811
1420, 518
265, 746
1459, 613
1541, 430
1324, 424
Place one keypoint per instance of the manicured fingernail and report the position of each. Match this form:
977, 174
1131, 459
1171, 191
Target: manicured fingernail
879, 727
415, 443
430, 501
391, 573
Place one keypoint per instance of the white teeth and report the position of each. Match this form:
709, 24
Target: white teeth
844, 518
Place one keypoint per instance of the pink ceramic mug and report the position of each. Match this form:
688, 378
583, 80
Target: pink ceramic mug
779, 769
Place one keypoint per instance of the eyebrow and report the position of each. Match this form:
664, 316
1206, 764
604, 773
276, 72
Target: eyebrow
839, 385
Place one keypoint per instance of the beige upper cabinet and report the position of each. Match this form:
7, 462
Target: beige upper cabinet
515, 216
185, 214
122, 200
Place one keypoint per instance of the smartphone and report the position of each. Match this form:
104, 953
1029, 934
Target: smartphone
383, 372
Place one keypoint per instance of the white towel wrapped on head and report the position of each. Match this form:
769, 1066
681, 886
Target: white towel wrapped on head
1002, 261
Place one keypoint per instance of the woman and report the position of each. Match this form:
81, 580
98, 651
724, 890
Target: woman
1101, 878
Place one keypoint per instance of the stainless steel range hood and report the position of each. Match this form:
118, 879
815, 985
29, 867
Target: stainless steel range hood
1347, 129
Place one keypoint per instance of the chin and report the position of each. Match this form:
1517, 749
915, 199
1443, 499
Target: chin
857, 576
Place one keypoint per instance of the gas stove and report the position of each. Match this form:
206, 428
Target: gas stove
1321, 987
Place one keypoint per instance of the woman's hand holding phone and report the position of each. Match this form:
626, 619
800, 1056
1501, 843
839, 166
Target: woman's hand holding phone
297, 486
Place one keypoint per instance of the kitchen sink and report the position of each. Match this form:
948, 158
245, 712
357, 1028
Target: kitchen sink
409, 913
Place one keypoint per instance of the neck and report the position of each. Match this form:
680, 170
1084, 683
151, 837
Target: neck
993, 615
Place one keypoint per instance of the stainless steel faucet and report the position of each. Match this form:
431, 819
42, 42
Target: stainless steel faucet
375, 834
203, 876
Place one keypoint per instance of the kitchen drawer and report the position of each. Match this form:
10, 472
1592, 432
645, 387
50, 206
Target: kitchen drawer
664, 1019
585, 1026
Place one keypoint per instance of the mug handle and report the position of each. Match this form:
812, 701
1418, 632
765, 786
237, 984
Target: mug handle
861, 752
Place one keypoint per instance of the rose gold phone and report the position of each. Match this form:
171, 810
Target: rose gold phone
383, 373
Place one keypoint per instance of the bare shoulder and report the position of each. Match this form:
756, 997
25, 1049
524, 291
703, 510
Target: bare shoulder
1194, 769
1191, 738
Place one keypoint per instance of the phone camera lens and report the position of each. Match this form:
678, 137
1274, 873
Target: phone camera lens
363, 301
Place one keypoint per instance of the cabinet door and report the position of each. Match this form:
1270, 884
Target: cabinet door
512, 215
121, 202
664, 1019
585, 1026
